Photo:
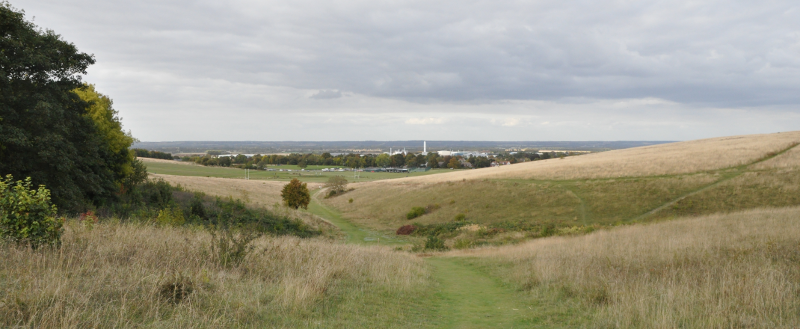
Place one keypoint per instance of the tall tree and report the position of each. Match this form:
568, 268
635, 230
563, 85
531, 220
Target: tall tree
47, 132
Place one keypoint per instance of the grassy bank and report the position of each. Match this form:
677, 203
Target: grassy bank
521, 207
720, 271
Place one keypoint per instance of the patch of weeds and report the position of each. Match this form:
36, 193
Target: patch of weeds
435, 243
438, 229
462, 244
431, 208
229, 248
177, 289
547, 230
350, 201
460, 218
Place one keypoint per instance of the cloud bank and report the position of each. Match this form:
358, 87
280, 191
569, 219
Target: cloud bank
472, 69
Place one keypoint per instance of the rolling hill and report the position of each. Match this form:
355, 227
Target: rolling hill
631, 185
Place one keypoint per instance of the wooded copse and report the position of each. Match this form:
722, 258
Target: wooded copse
54, 128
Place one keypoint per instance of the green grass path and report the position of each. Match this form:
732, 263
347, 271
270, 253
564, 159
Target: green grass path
465, 297
468, 298
355, 234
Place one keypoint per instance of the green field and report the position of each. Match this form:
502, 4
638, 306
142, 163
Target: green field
314, 176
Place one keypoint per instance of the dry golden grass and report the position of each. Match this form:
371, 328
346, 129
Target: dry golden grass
114, 275
664, 159
721, 271
769, 188
790, 159
252, 192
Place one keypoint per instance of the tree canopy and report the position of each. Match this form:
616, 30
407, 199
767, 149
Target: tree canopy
53, 127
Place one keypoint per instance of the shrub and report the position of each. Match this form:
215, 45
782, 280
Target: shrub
170, 216
336, 184
415, 212
350, 201
229, 249
27, 216
548, 230
460, 218
88, 219
406, 229
434, 243
438, 229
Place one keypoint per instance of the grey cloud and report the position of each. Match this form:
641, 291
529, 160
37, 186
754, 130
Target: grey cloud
715, 52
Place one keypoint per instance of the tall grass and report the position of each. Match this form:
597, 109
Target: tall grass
721, 271
121, 275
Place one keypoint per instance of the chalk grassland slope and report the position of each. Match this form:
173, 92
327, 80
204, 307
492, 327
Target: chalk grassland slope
726, 185
721, 271
252, 192
116, 275
663, 159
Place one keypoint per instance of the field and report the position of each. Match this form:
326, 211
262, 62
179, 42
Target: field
177, 168
765, 172
700, 234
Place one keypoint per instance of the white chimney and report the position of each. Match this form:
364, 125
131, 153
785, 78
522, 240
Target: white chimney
424, 147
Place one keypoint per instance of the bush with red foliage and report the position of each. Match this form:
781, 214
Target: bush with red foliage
406, 229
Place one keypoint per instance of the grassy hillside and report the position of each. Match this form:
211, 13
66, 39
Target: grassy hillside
722, 271
123, 275
754, 171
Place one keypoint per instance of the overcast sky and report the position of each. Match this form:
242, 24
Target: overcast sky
444, 70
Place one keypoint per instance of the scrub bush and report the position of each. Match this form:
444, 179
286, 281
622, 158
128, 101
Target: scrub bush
27, 216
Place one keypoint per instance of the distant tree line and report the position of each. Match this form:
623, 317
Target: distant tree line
142, 153
410, 160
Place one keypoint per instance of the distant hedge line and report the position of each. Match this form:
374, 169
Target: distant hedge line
142, 153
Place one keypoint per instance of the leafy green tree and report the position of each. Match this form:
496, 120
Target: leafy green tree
336, 184
26, 215
47, 132
433, 160
410, 160
108, 124
383, 160
353, 162
302, 164
398, 160
241, 158
454, 163
295, 194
